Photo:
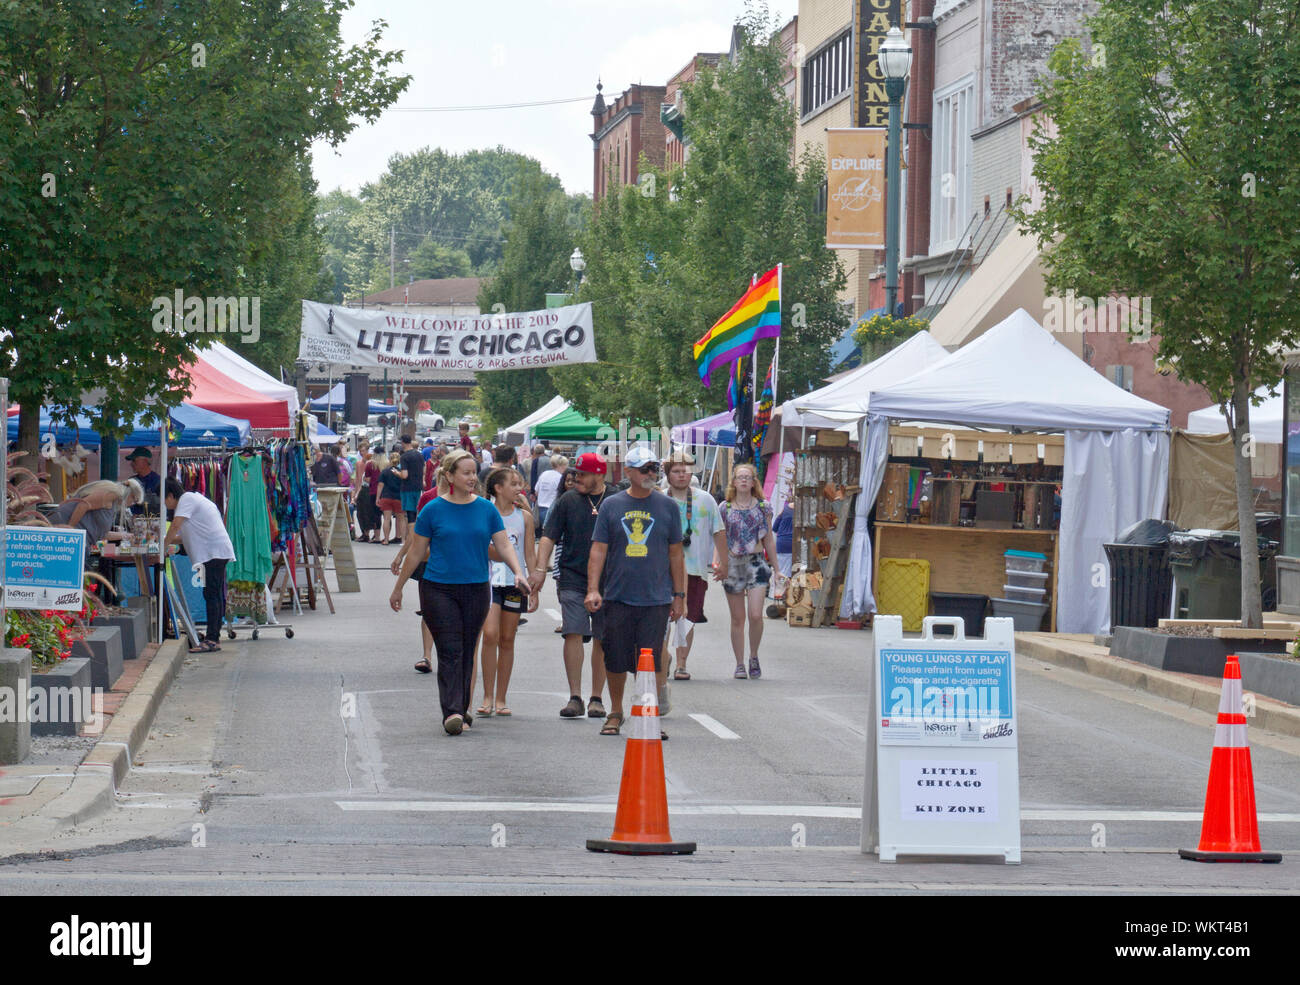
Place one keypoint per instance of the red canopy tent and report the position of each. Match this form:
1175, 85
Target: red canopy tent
215, 391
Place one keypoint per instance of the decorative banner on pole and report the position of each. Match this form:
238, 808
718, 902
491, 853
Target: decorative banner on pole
872, 20
394, 338
855, 189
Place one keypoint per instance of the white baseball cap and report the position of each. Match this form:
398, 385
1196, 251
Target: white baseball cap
641, 456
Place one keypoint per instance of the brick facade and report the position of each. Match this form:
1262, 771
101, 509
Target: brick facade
622, 131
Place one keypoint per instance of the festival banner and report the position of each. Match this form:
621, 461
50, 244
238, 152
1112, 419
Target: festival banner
393, 338
855, 189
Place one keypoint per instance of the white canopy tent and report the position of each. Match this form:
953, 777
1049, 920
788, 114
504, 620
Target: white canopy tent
1265, 420
1017, 376
229, 363
846, 399
521, 431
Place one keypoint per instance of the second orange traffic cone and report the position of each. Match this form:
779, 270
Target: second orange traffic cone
1229, 826
641, 824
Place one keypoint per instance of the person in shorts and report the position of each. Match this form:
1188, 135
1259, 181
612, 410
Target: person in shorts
747, 518
570, 522
411, 469
505, 488
703, 537
636, 573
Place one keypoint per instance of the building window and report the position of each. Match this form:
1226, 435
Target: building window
821, 198
950, 188
1121, 376
828, 74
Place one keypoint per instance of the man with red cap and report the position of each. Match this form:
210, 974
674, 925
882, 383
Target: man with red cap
570, 523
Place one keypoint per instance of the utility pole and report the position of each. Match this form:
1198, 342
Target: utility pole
392, 257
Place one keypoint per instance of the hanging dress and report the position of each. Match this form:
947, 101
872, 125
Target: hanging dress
247, 521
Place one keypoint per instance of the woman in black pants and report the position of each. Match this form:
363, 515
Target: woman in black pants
453, 532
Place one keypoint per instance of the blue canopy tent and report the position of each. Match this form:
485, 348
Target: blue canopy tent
334, 401
190, 426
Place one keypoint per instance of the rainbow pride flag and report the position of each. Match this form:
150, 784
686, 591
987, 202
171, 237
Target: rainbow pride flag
757, 315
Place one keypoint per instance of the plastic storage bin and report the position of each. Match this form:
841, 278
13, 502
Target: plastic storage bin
970, 609
1025, 561
1027, 616
1015, 593
1027, 579
903, 589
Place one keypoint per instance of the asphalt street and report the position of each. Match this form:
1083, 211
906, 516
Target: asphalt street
319, 764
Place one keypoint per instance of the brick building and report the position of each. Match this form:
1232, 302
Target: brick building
621, 132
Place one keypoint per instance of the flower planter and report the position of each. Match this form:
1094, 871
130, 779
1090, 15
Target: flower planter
1265, 668
15, 729
64, 705
103, 647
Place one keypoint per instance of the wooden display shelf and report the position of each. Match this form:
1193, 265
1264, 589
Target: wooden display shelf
965, 559
969, 530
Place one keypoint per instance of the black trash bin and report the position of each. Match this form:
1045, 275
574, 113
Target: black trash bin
1206, 567
1141, 580
971, 609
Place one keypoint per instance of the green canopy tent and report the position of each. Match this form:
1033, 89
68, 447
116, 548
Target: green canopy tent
569, 425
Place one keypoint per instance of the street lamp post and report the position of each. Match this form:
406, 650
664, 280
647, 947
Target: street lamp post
895, 60
577, 264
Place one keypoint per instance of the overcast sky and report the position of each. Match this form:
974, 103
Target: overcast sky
477, 52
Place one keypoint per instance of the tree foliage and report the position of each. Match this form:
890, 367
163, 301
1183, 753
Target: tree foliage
151, 147
535, 262
1170, 178
669, 257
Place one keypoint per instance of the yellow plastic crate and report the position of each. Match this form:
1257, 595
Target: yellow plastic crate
903, 589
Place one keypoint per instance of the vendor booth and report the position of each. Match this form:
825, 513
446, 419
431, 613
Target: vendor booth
213, 390
335, 401
520, 433
1016, 378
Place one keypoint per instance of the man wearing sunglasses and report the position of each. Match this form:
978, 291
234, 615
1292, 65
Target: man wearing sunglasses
637, 548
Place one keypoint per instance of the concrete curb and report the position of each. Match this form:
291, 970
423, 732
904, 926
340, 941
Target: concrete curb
94, 785
1090, 659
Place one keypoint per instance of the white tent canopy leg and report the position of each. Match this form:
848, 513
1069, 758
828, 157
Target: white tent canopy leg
874, 442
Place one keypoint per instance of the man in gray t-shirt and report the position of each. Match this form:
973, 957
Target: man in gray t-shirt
637, 547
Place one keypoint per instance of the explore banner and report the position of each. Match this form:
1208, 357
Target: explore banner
392, 337
855, 186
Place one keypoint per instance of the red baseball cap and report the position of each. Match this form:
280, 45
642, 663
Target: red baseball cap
591, 462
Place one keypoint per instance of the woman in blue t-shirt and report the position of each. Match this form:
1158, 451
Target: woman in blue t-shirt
453, 532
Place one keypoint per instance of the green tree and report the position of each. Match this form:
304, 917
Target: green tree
337, 218
1170, 178
668, 258
148, 148
456, 200
540, 239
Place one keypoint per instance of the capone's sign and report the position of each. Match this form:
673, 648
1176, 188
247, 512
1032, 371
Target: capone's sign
393, 338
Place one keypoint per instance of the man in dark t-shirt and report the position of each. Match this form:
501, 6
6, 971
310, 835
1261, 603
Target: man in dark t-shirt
636, 573
411, 469
570, 523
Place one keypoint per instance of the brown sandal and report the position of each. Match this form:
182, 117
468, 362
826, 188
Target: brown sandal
613, 724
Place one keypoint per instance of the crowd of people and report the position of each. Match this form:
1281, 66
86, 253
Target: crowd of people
480, 535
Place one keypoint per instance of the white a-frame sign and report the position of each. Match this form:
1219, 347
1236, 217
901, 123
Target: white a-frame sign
943, 775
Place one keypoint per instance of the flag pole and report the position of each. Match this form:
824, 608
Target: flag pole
776, 384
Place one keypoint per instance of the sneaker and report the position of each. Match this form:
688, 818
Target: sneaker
573, 709
755, 671
665, 699
740, 674
595, 708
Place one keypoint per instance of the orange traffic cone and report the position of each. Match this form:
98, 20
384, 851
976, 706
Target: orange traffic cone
641, 824
1229, 827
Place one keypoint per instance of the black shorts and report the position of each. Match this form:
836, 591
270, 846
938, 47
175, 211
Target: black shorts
629, 629
417, 575
509, 598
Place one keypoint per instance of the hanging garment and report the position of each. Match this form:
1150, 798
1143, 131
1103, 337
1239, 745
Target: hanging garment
247, 521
